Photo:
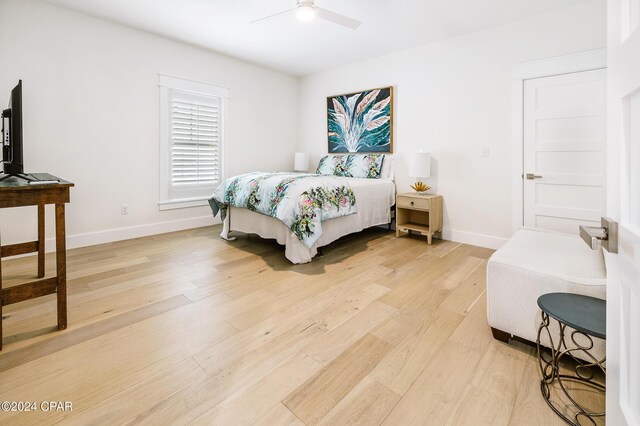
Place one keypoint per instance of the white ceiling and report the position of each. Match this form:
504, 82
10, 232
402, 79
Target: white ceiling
301, 48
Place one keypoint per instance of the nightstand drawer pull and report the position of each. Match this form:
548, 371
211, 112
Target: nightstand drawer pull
412, 203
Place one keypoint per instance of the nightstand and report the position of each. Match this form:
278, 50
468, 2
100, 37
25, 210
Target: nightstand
418, 213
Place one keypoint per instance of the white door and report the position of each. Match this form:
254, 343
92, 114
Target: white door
564, 143
623, 204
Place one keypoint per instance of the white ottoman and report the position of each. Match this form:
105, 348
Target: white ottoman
533, 263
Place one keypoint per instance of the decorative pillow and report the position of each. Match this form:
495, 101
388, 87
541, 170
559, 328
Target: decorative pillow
388, 169
332, 165
364, 166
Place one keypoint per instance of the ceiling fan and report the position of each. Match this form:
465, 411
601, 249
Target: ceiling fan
307, 10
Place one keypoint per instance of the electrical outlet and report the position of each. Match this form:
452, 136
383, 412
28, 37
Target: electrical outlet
124, 209
485, 151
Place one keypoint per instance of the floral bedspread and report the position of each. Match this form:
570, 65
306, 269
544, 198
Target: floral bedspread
301, 201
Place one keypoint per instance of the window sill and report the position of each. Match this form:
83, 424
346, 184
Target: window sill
183, 203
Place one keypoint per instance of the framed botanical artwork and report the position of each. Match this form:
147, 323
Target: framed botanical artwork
361, 122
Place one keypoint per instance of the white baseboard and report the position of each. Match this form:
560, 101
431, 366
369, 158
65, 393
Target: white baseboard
482, 240
119, 234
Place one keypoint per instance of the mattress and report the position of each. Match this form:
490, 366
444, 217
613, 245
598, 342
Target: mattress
374, 198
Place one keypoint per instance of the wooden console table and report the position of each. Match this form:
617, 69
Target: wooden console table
15, 192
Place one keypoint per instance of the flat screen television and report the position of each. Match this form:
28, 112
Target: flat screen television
12, 160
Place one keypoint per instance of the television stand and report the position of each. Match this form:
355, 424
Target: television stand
19, 176
20, 194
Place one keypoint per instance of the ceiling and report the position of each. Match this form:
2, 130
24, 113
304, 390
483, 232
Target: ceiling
301, 48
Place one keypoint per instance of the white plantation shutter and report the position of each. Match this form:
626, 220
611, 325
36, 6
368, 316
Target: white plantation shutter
191, 141
195, 141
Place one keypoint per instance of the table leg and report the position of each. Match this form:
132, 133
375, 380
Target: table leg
40, 240
61, 267
550, 370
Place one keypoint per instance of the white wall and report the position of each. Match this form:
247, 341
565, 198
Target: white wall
91, 116
451, 99
91, 96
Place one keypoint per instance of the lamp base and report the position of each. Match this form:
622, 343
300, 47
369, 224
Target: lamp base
420, 187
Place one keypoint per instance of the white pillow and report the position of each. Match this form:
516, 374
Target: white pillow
388, 167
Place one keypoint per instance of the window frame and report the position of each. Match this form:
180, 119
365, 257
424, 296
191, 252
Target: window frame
191, 197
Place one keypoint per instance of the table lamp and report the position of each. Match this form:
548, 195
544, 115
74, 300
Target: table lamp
301, 162
420, 167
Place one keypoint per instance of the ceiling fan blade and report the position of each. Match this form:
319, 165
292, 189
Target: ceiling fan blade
273, 16
336, 18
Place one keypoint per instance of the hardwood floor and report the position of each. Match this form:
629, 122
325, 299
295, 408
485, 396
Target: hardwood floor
188, 328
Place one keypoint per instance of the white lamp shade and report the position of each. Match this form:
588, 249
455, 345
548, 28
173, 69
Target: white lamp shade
420, 165
301, 162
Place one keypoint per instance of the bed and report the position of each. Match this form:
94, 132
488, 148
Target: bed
374, 199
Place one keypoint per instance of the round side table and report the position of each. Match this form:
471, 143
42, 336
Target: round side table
587, 316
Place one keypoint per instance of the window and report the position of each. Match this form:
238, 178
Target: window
192, 135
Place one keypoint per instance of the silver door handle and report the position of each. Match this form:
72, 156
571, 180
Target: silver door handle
531, 176
605, 235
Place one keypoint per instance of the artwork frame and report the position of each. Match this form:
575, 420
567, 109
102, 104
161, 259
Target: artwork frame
354, 126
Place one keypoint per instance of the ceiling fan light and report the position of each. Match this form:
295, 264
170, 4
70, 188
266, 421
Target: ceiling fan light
305, 12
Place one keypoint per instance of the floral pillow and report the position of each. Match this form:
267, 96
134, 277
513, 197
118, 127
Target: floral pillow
354, 165
332, 165
364, 166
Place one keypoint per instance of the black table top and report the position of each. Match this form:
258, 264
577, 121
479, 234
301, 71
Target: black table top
15, 184
584, 313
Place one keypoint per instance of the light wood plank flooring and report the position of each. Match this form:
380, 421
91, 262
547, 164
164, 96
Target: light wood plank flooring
188, 328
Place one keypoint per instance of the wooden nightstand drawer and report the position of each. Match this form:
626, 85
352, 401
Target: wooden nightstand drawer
413, 202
